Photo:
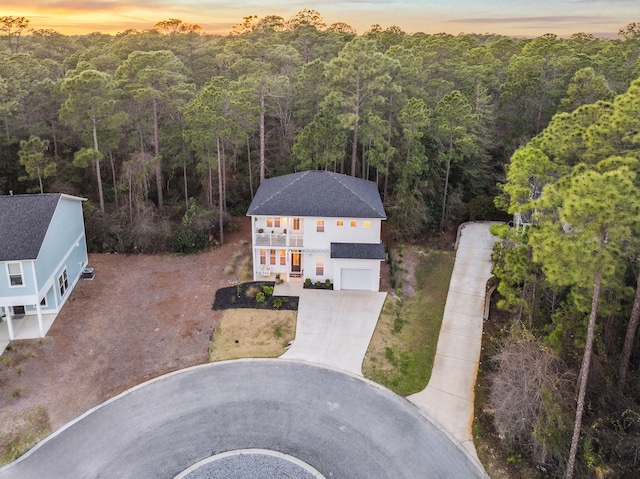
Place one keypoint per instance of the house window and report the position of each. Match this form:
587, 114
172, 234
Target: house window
273, 222
296, 224
263, 256
320, 226
319, 266
272, 256
283, 257
353, 223
367, 224
15, 274
63, 283
340, 223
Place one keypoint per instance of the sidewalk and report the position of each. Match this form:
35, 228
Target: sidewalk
448, 398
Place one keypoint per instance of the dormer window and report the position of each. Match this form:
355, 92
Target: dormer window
15, 274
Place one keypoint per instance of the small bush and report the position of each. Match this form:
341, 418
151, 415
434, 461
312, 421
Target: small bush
252, 291
307, 281
267, 290
327, 283
277, 304
260, 297
318, 283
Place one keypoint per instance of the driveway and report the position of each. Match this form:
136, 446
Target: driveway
340, 424
334, 328
448, 398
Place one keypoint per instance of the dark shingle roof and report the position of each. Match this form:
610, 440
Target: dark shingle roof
24, 221
318, 193
358, 250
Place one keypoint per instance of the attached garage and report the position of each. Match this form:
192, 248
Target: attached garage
352, 278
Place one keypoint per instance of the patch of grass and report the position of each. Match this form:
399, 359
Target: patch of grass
252, 291
252, 333
22, 432
403, 347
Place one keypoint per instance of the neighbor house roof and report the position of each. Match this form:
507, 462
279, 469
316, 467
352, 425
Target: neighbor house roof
24, 221
317, 193
358, 250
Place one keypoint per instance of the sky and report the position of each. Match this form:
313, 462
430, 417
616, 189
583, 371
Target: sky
521, 18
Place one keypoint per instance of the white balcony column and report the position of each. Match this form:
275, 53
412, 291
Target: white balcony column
7, 310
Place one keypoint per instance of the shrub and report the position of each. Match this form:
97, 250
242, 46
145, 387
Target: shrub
318, 283
260, 297
252, 291
327, 283
267, 290
277, 303
307, 281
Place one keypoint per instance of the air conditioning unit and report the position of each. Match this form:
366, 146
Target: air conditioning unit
88, 273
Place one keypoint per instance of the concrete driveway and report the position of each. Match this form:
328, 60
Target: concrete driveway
449, 396
334, 328
342, 425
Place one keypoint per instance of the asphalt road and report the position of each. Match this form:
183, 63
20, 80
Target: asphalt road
344, 426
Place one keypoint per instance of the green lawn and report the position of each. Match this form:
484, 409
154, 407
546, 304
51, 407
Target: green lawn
403, 347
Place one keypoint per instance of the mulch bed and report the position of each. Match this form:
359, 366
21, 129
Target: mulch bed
237, 297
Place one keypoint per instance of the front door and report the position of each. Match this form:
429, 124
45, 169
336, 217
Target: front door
295, 261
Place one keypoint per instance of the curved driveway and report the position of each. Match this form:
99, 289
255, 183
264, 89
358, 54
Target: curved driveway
344, 426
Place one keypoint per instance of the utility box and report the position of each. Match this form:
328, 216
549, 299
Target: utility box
88, 273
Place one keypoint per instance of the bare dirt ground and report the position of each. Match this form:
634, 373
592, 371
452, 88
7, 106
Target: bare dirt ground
141, 317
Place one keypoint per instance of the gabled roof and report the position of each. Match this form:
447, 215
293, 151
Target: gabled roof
317, 193
24, 221
358, 250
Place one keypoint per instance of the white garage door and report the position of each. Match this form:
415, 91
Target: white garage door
351, 278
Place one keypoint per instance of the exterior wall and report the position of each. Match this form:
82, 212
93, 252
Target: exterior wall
64, 246
17, 295
313, 244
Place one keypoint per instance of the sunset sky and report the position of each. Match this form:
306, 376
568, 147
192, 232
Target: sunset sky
507, 17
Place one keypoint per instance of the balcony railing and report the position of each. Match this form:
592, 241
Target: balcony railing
278, 239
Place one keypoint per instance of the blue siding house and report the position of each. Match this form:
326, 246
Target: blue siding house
43, 252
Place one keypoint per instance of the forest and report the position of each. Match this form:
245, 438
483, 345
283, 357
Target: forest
169, 131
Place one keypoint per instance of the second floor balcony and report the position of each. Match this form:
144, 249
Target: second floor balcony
279, 239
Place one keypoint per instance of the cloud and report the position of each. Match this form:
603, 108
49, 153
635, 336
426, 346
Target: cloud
544, 19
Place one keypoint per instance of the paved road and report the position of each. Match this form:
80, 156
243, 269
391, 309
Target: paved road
344, 426
448, 398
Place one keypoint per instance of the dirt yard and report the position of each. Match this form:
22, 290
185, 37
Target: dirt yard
142, 316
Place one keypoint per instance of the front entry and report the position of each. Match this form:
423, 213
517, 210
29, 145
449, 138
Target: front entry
295, 262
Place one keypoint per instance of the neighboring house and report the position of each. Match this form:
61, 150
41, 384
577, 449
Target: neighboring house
524, 218
42, 254
318, 225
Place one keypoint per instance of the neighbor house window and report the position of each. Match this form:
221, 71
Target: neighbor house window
296, 224
320, 226
273, 222
319, 266
263, 256
63, 283
283, 257
340, 223
15, 274
354, 223
367, 224
272, 256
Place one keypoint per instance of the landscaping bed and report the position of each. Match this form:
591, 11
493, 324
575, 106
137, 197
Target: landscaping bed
254, 295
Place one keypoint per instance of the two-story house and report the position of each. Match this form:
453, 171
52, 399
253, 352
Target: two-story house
42, 254
318, 225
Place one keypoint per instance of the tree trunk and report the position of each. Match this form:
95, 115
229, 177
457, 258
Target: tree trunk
250, 172
446, 186
628, 340
220, 195
98, 176
113, 175
186, 192
354, 148
158, 163
584, 376
261, 135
